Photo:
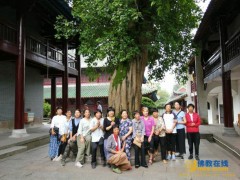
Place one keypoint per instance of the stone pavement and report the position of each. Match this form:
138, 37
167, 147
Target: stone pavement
37, 136
231, 143
35, 164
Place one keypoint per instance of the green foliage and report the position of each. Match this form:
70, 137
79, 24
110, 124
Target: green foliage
164, 96
46, 109
204, 121
123, 30
147, 102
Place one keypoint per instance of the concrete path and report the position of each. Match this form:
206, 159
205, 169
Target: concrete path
35, 164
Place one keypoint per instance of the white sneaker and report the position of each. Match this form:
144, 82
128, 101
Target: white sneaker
55, 159
59, 158
78, 164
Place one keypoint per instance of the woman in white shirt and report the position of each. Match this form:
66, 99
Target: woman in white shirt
170, 121
64, 136
57, 128
96, 127
84, 138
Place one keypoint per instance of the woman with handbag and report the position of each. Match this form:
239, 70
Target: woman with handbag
116, 156
156, 138
64, 137
138, 140
96, 127
149, 129
125, 128
57, 128
162, 139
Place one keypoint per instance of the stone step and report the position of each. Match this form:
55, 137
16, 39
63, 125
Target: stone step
12, 151
29, 142
227, 146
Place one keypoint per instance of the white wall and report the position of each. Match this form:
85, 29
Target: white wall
213, 111
33, 92
236, 103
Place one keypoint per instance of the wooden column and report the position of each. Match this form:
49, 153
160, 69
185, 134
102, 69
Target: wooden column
226, 84
53, 96
78, 81
20, 77
65, 78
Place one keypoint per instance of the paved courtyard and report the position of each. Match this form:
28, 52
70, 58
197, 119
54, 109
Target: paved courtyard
35, 164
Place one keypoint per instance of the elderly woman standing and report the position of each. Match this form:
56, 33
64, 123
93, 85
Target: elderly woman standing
138, 142
84, 138
149, 130
57, 129
115, 156
126, 131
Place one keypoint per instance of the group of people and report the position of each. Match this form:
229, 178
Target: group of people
80, 136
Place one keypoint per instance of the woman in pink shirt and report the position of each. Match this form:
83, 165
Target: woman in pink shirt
193, 136
149, 129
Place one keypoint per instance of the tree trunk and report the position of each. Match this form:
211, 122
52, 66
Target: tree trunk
127, 95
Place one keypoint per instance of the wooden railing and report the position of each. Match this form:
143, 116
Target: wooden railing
36, 46
213, 64
8, 33
232, 47
71, 61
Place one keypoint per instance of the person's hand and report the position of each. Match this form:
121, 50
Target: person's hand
82, 140
98, 123
157, 132
69, 141
112, 123
169, 131
123, 138
149, 139
73, 138
193, 124
53, 133
164, 127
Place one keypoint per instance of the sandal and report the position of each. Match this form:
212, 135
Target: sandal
150, 161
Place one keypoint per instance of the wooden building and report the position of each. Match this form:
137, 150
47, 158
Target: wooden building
217, 68
29, 53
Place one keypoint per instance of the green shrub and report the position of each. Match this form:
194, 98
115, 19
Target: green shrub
147, 102
204, 121
46, 109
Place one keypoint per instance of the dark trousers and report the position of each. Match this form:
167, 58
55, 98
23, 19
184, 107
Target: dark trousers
156, 142
147, 145
171, 142
180, 143
139, 150
193, 138
62, 147
94, 151
163, 147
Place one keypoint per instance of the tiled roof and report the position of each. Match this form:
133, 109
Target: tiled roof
176, 98
91, 90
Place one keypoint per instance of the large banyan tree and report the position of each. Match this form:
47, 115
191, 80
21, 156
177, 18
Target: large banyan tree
131, 35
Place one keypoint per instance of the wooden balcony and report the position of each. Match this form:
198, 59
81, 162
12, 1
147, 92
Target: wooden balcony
212, 68
37, 50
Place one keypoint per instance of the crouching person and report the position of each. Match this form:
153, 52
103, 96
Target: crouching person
96, 127
72, 142
116, 157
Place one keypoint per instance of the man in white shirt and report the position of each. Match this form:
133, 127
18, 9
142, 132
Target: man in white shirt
99, 106
96, 127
